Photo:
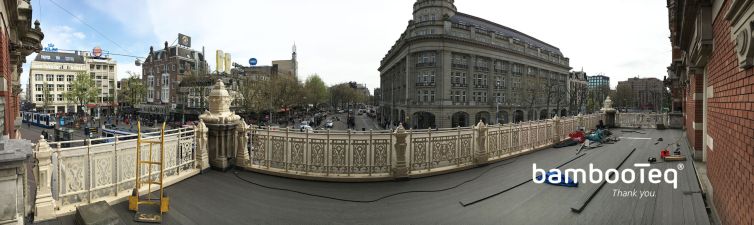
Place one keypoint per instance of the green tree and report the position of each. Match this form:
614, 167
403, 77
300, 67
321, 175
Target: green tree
255, 95
46, 97
284, 92
133, 91
590, 103
83, 91
532, 87
316, 90
624, 97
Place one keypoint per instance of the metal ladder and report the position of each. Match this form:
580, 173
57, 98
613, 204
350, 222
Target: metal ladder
135, 200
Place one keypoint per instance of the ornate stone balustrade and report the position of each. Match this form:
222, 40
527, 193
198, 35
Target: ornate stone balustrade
354, 156
644, 120
103, 168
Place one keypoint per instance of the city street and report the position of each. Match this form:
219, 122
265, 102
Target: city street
362, 121
33, 132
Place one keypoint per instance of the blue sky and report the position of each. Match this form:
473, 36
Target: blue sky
344, 40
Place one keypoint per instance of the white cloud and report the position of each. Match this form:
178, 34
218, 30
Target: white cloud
125, 67
78, 35
130, 13
65, 37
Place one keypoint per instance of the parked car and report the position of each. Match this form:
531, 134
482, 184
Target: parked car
328, 124
307, 129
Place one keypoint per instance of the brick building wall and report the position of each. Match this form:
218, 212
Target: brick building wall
6, 71
730, 124
694, 109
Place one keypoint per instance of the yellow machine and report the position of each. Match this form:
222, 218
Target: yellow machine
135, 200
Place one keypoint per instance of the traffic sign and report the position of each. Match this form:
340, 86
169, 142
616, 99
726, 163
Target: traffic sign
253, 61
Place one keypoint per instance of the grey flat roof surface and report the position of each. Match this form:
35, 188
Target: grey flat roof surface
222, 198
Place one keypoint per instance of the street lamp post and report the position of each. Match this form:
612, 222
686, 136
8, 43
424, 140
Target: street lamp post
497, 112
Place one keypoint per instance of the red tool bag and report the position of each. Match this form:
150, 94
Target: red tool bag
664, 153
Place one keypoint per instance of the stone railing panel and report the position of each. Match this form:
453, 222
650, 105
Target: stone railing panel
383, 155
90, 172
646, 120
335, 154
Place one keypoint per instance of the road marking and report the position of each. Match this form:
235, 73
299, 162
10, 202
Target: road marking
635, 138
641, 164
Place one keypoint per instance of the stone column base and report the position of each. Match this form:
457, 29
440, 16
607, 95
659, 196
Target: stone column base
400, 173
44, 209
481, 160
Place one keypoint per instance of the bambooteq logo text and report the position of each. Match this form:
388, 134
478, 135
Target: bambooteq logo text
612, 176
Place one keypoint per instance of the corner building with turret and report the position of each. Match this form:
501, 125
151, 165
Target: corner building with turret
452, 69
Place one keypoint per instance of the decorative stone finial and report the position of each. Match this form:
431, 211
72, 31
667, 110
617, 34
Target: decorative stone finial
608, 104
219, 106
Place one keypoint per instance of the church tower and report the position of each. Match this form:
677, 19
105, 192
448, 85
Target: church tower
295, 61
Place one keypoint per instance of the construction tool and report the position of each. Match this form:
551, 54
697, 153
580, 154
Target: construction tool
136, 200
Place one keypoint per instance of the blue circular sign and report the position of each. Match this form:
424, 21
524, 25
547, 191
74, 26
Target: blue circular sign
253, 61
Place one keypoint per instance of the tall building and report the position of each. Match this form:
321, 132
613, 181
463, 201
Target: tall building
19, 37
710, 75
163, 70
599, 89
452, 69
648, 93
104, 71
192, 91
598, 81
577, 92
53, 72
288, 67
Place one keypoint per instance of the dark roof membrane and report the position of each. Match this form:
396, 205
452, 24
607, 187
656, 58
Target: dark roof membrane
62, 57
500, 29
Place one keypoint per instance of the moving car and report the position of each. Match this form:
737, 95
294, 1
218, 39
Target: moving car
303, 124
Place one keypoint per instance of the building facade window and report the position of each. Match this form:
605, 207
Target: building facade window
38, 77
50, 77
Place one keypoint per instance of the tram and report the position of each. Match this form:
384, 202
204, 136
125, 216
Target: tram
44, 120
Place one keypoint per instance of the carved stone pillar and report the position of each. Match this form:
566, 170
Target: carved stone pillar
481, 156
221, 125
400, 171
558, 128
202, 157
44, 207
242, 148
610, 113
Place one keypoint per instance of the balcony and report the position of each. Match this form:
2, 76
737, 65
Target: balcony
481, 86
482, 68
425, 84
460, 66
459, 85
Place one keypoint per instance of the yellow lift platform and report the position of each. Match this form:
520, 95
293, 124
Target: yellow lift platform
135, 200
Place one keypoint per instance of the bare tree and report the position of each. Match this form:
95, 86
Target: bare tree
531, 91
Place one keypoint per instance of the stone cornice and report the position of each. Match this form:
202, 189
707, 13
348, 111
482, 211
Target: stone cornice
396, 50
